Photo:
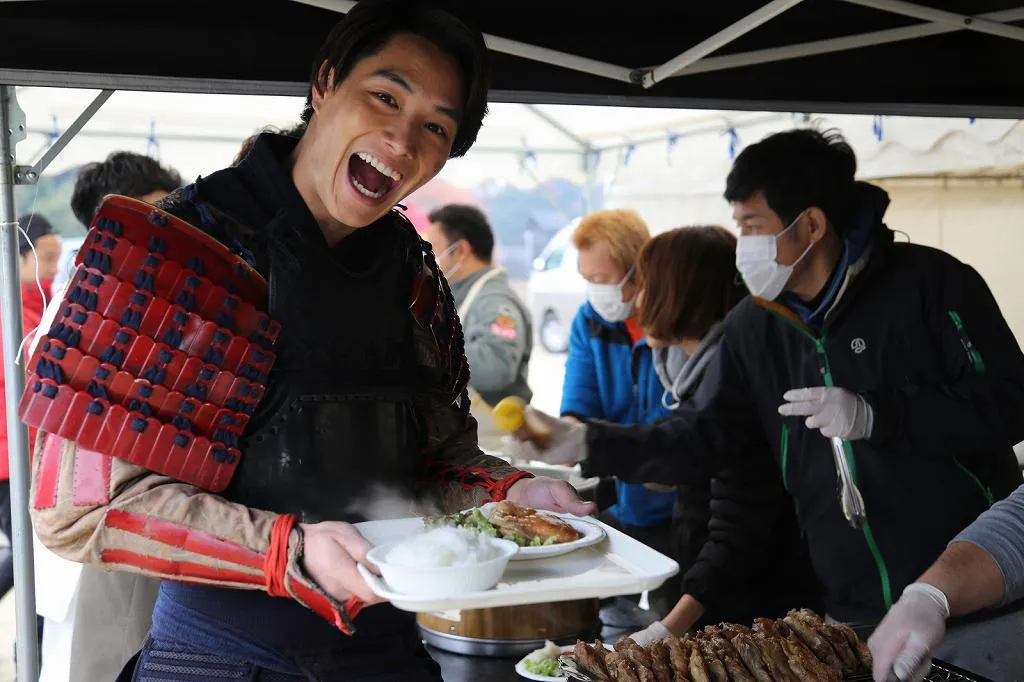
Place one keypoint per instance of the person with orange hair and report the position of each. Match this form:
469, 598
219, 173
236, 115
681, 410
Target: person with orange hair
609, 373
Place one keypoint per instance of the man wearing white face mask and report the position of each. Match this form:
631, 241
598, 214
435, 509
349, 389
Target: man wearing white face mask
897, 351
496, 325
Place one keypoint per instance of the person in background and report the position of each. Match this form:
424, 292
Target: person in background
133, 175
294, 131
895, 356
735, 535
609, 372
104, 622
496, 324
38, 254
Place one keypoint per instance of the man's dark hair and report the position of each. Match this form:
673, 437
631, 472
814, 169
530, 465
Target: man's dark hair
796, 169
461, 222
368, 27
36, 226
127, 173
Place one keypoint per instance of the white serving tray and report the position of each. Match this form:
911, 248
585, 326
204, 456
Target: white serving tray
618, 565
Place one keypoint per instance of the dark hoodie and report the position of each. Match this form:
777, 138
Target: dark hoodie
916, 332
735, 535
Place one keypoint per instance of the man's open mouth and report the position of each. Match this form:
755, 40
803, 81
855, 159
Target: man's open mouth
370, 176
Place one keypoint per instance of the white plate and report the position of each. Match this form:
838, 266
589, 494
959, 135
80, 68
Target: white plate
591, 534
566, 651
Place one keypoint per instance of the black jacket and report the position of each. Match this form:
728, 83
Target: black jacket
919, 334
737, 538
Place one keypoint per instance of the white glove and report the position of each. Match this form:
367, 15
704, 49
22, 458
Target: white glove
837, 412
903, 642
650, 634
566, 443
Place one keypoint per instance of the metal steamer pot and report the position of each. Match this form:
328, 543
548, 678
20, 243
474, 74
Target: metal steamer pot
510, 630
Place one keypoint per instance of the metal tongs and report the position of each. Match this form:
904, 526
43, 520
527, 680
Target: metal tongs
850, 498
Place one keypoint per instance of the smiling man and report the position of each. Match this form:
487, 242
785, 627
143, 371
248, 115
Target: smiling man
331, 356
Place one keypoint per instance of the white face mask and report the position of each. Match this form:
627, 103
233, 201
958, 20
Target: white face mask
453, 269
755, 259
607, 300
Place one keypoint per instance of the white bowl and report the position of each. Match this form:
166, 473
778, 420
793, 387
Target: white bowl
446, 581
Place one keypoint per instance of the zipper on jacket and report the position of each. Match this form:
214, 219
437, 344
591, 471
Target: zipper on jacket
784, 455
869, 536
784, 465
972, 353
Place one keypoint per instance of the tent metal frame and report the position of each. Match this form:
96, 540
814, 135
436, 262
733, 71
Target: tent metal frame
691, 61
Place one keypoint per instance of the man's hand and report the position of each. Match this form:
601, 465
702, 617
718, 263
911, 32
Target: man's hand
566, 443
331, 551
549, 494
902, 644
837, 412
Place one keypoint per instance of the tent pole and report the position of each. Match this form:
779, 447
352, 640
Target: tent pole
728, 34
830, 45
14, 376
963, 21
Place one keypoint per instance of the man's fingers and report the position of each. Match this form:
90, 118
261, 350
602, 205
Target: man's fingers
351, 581
567, 498
354, 544
885, 647
813, 394
799, 409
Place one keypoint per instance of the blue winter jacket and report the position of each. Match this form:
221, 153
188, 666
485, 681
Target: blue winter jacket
609, 377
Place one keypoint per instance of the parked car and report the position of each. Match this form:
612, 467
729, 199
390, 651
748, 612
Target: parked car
556, 290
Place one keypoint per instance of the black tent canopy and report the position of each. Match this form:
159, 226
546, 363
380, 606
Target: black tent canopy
950, 57
929, 57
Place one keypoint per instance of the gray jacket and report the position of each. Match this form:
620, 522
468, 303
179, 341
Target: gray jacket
499, 336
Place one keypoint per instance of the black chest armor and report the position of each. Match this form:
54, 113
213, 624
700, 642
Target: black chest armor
338, 420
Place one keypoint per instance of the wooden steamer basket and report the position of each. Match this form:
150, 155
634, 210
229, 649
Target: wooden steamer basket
510, 630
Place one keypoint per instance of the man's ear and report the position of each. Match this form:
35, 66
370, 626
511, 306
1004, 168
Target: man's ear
817, 224
322, 85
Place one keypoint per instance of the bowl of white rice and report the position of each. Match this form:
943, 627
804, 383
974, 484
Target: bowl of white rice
443, 562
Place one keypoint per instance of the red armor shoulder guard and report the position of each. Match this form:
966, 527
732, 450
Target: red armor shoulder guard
160, 350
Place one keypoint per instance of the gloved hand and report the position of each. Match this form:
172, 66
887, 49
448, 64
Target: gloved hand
837, 412
650, 634
566, 443
902, 643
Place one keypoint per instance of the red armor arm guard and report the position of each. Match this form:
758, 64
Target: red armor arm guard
147, 373
464, 475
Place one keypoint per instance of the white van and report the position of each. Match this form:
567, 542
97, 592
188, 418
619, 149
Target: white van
556, 290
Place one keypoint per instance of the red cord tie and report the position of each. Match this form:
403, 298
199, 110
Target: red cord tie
275, 566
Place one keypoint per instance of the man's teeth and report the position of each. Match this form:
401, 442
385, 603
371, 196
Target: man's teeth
380, 166
373, 195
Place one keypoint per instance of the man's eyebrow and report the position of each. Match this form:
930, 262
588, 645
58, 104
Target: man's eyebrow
401, 82
395, 78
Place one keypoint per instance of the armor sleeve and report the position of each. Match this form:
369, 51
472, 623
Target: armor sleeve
460, 473
155, 359
100, 510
